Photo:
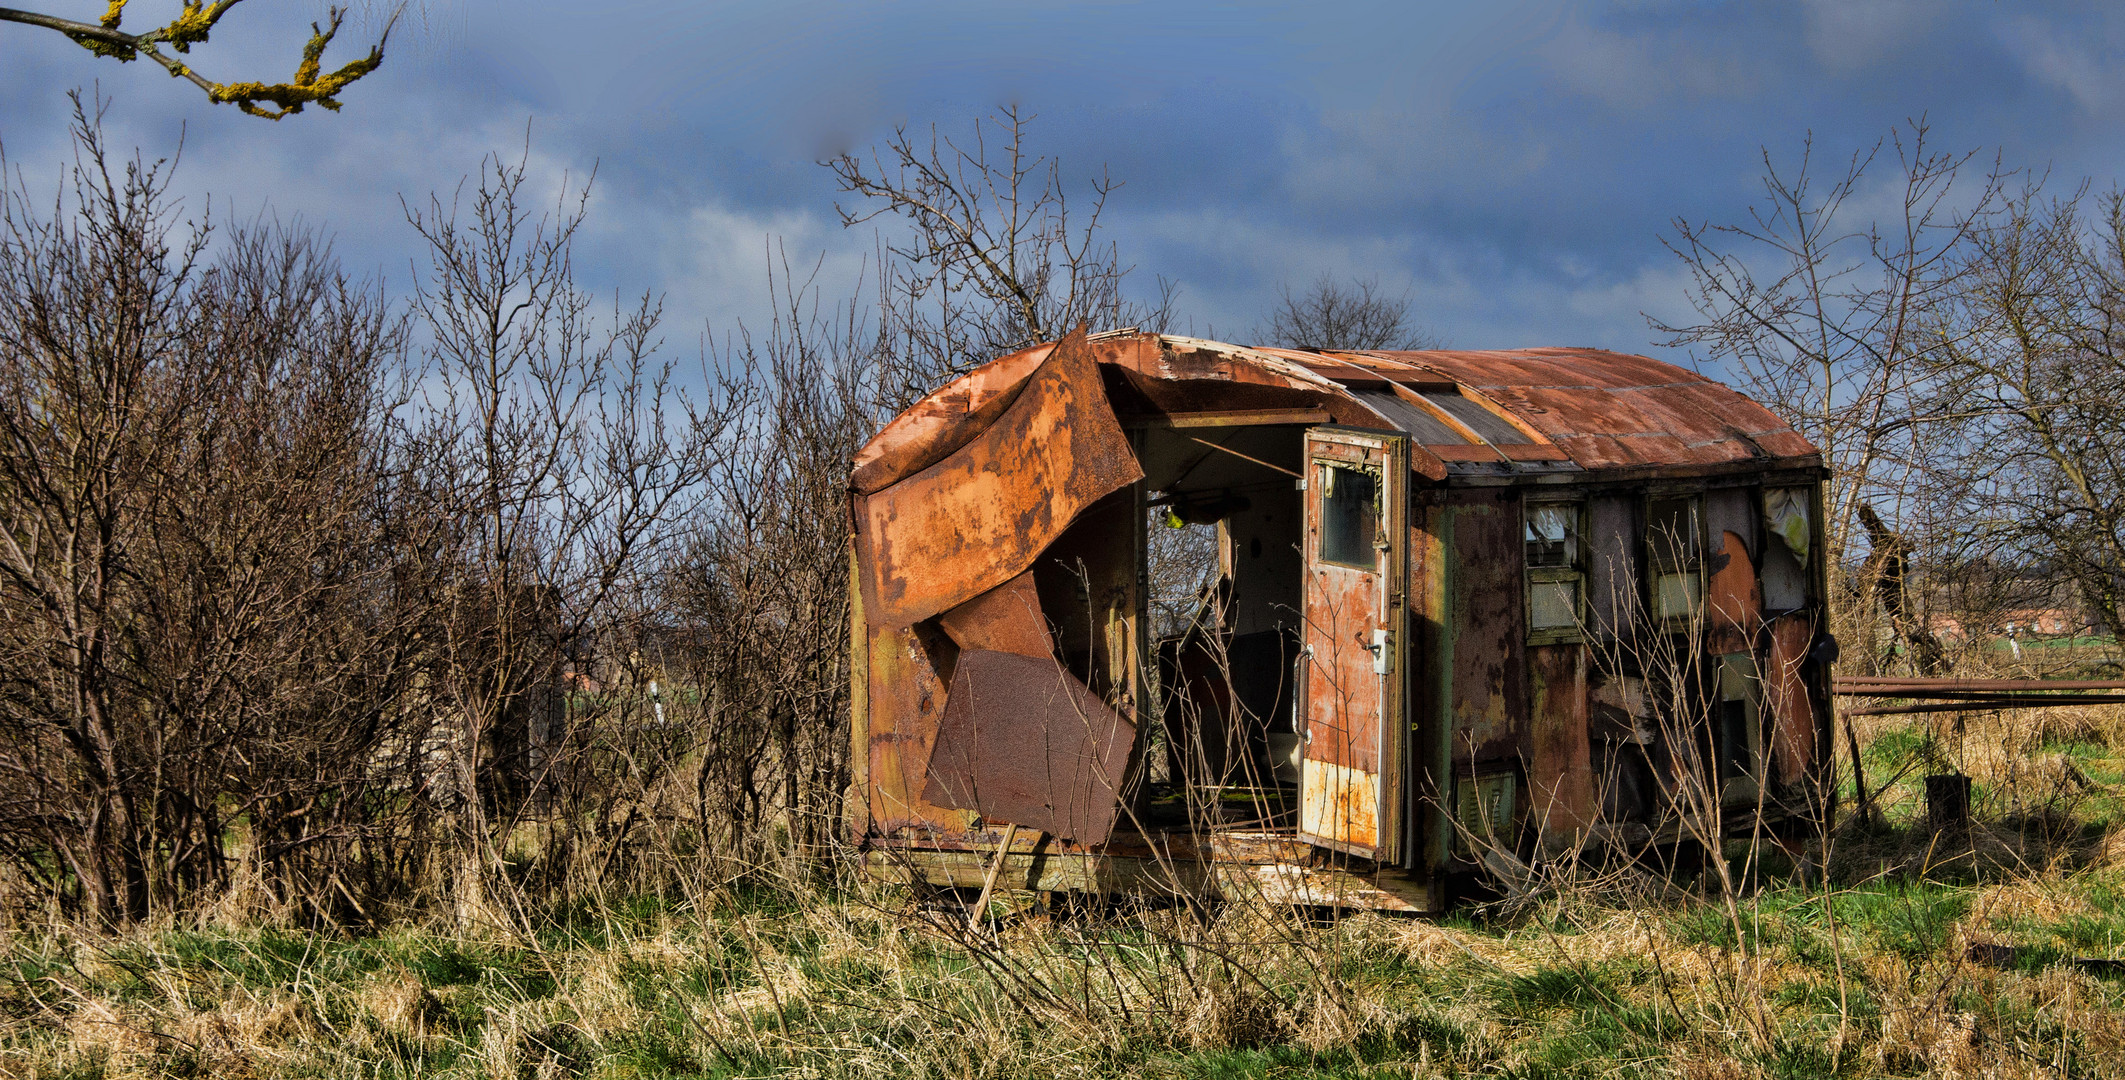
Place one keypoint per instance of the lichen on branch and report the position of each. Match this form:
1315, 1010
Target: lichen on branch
192, 26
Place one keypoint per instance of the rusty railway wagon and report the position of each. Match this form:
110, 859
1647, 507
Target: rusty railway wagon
1468, 606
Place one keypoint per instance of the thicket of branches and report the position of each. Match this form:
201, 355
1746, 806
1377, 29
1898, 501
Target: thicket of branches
338, 607
344, 605
1960, 361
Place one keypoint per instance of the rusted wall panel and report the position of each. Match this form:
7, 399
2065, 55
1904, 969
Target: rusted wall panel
1786, 700
1489, 685
1007, 618
1560, 778
909, 673
1022, 741
1612, 550
983, 514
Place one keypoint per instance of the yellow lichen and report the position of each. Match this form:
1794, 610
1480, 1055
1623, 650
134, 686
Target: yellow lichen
194, 24
308, 87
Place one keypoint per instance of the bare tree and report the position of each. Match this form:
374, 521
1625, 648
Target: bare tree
1331, 315
311, 84
1827, 320
565, 457
2027, 383
993, 260
201, 617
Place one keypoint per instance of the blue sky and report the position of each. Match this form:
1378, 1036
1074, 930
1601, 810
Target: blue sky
1512, 165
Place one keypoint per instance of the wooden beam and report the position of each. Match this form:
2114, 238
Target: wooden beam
1238, 418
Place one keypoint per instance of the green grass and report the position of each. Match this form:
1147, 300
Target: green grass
829, 979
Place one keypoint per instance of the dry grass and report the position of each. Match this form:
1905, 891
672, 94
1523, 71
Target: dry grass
777, 973
854, 982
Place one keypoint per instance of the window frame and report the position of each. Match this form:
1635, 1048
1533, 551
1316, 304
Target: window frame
1379, 513
1661, 564
1573, 572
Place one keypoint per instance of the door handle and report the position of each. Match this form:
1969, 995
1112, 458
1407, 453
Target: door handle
1383, 653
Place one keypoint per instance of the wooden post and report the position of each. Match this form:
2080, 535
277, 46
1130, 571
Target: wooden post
988, 883
1859, 777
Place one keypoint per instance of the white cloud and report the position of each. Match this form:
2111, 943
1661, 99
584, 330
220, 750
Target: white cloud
2087, 68
1851, 35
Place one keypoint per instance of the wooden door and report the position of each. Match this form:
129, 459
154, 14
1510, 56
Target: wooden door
1355, 641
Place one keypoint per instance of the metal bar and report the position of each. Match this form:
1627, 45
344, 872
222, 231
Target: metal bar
1991, 706
1230, 418
1866, 685
1243, 457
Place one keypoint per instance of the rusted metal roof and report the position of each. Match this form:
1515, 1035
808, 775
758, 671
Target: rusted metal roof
1590, 408
1603, 409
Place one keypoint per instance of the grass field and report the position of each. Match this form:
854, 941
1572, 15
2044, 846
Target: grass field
2001, 956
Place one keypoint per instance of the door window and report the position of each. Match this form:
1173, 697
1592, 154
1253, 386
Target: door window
1350, 515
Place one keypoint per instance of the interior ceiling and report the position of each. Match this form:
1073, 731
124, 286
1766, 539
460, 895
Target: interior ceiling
1173, 461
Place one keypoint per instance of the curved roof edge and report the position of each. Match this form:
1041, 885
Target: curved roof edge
1590, 408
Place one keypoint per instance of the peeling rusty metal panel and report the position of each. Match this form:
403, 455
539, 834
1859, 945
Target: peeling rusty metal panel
909, 670
945, 420
1733, 595
1786, 705
1560, 772
1489, 688
1023, 742
1007, 618
983, 514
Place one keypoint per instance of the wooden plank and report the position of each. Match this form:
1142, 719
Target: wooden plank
1229, 418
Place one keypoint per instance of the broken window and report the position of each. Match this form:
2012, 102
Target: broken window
1736, 729
1350, 516
1785, 560
1555, 570
1674, 540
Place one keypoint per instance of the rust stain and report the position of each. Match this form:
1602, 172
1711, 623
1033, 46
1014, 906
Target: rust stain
1022, 741
1489, 687
1560, 773
980, 516
1786, 698
1340, 803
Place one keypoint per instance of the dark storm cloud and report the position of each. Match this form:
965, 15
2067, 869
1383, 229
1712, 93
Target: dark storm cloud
1512, 165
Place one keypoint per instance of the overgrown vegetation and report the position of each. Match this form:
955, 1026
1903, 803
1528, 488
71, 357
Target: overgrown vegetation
2001, 956
441, 688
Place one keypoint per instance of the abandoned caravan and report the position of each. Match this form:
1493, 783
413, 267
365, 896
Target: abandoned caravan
1469, 611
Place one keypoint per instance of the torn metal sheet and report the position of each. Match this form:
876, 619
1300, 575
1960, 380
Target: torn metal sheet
1007, 618
980, 516
1024, 742
943, 421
